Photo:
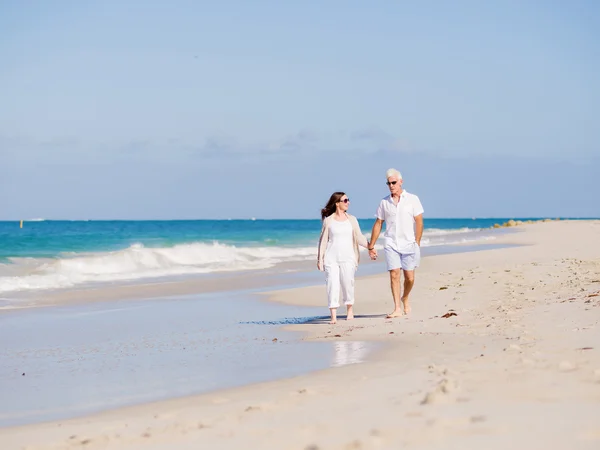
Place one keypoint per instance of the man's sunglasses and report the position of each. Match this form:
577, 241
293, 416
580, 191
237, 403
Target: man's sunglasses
391, 183
346, 200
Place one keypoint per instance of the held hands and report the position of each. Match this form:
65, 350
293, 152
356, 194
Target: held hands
319, 266
372, 252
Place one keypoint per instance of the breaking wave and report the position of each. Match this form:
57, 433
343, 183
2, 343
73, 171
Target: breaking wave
138, 262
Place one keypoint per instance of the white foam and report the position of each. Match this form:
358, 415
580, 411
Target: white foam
443, 232
435, 236
138, 261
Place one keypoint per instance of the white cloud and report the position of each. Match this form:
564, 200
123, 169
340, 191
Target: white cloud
303, 140
376, 139
69, 150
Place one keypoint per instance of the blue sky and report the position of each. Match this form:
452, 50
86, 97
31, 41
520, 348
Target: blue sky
192, 109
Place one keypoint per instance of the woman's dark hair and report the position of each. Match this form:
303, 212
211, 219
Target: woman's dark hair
330, 206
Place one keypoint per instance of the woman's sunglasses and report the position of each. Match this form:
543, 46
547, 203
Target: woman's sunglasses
391, 183
346, 200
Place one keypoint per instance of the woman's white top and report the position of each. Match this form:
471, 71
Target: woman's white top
340, 248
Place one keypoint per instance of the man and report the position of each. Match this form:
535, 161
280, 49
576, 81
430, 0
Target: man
403, 214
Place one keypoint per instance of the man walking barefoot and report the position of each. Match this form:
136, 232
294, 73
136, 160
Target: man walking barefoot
403, 214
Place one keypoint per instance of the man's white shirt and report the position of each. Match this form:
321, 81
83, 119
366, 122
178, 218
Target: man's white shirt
400, 221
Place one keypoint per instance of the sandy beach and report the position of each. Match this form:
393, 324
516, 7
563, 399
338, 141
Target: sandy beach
502, 348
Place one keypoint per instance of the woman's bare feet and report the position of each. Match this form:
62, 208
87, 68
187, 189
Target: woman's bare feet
350, 312
333, 320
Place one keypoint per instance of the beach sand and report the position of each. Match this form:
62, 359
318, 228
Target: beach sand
502, 349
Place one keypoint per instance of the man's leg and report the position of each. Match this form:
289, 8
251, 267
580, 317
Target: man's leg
409, 281
395, 285
410, 262
392, 258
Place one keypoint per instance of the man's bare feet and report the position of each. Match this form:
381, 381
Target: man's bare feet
332, 322
406, 306
395, 313
350, 313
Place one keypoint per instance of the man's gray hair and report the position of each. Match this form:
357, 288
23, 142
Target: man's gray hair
393, 173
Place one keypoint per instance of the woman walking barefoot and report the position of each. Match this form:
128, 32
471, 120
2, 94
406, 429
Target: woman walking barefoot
338, 253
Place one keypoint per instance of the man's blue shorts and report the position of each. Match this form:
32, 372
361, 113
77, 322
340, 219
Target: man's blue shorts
405, 260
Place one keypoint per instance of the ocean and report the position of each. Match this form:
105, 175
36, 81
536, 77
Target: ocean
49, 254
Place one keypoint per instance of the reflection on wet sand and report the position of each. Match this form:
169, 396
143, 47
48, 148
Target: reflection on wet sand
349, 352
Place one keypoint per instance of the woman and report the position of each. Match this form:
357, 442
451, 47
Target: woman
338, 253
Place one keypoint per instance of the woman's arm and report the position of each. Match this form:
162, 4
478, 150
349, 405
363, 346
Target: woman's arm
360, 238
322, 245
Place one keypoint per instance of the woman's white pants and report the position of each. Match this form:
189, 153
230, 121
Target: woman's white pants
340, 280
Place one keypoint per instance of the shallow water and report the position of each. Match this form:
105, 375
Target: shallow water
66, 361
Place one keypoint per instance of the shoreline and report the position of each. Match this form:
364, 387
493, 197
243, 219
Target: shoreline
526, 319
260, 279
84, 254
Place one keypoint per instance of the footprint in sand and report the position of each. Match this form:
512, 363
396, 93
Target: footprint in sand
252, 408
440, 370
441, 393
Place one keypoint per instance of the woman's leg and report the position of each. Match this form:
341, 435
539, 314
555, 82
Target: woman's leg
347, 286
333, 312
332, 278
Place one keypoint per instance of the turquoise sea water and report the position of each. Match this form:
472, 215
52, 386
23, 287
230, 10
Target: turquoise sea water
54, 254
47, 239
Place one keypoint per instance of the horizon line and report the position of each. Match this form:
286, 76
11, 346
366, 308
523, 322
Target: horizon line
253, 219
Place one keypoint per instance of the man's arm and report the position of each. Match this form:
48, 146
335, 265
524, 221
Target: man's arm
374, 236
419, 228
375, 233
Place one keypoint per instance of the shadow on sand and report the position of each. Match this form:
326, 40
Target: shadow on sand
313, 320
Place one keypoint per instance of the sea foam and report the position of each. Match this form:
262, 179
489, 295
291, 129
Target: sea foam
139, 261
